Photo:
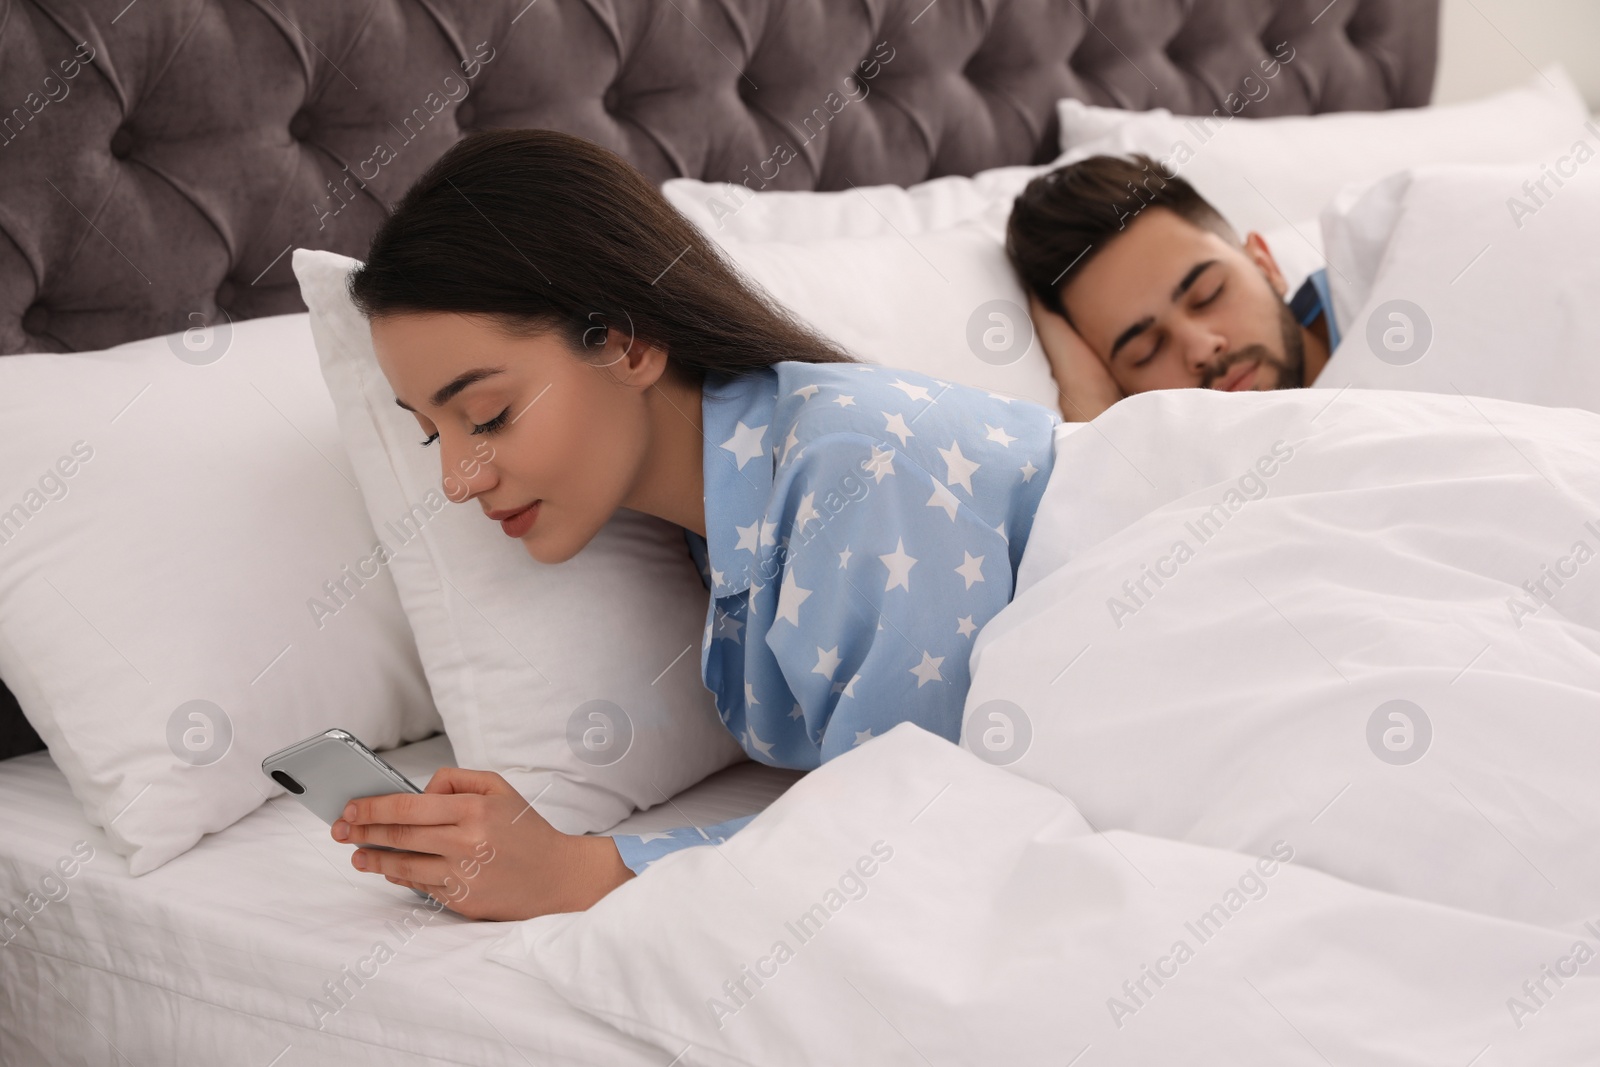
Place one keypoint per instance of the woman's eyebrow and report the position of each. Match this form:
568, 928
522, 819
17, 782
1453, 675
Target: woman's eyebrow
454, 386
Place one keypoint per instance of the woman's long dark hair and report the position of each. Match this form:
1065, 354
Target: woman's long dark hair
541, 230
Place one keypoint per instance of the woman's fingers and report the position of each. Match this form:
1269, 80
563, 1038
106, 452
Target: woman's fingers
464, 780
407, 866
406, 836
414, 808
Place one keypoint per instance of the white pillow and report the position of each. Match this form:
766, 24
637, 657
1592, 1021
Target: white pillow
1259, 172
578, 682
1464, 282
944, 302
173, 510
727, 211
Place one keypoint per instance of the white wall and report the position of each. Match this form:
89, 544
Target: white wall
1487, 45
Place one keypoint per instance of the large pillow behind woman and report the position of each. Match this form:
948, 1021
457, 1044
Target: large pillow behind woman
578, 682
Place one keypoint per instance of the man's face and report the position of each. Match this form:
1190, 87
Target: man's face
1169, 305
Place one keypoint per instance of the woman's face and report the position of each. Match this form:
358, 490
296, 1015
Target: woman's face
522, 420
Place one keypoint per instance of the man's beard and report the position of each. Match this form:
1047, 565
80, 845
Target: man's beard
1291, 365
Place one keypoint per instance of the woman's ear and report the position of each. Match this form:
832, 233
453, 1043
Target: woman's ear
624, 358
1255, 247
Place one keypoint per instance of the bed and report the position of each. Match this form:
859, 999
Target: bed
211, 140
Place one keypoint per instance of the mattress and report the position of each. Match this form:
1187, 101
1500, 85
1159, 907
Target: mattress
261, 944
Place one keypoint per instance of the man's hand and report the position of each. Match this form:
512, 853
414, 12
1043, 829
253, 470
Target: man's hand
474, 844
1086, 385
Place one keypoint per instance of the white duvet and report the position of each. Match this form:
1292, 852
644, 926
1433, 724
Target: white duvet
1318, 788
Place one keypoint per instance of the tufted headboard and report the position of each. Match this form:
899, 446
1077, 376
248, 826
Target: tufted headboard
159, 158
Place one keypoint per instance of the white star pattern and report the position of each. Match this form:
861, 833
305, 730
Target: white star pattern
745, 442
751, 740
827, 661
788, 446
915, 392
866, 466
959, 466
998, 434
726, 621
881, 465
899, 564
747, 537
791, 596
943, 498
806, 512
928, 670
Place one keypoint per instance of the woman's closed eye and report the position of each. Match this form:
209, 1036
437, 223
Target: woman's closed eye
495, 424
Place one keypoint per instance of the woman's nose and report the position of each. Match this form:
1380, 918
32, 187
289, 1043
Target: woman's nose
467, 473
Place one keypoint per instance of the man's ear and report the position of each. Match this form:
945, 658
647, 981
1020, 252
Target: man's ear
1255, 247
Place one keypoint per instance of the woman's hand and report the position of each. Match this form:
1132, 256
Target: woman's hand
474, 844
1086, 385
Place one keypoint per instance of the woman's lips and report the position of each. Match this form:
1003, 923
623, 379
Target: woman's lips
517, 523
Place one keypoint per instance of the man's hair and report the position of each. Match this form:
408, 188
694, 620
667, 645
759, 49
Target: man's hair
1064, 217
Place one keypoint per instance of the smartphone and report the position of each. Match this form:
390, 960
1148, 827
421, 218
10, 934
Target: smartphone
329, 770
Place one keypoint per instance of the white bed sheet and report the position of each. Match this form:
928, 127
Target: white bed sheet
217, 957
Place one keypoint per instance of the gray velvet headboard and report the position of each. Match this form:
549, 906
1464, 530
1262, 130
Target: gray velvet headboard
159, 158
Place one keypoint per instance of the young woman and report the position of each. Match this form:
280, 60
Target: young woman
855, 525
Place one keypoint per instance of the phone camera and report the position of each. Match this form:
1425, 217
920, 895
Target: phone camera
283, 779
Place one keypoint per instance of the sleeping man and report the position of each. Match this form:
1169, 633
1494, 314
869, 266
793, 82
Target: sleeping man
1135, 283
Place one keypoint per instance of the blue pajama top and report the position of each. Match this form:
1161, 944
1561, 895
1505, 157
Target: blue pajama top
862, 524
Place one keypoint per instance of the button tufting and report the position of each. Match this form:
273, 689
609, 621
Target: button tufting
36, 319
225, 294
465, 114
122, 143
611, 99
300, 125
